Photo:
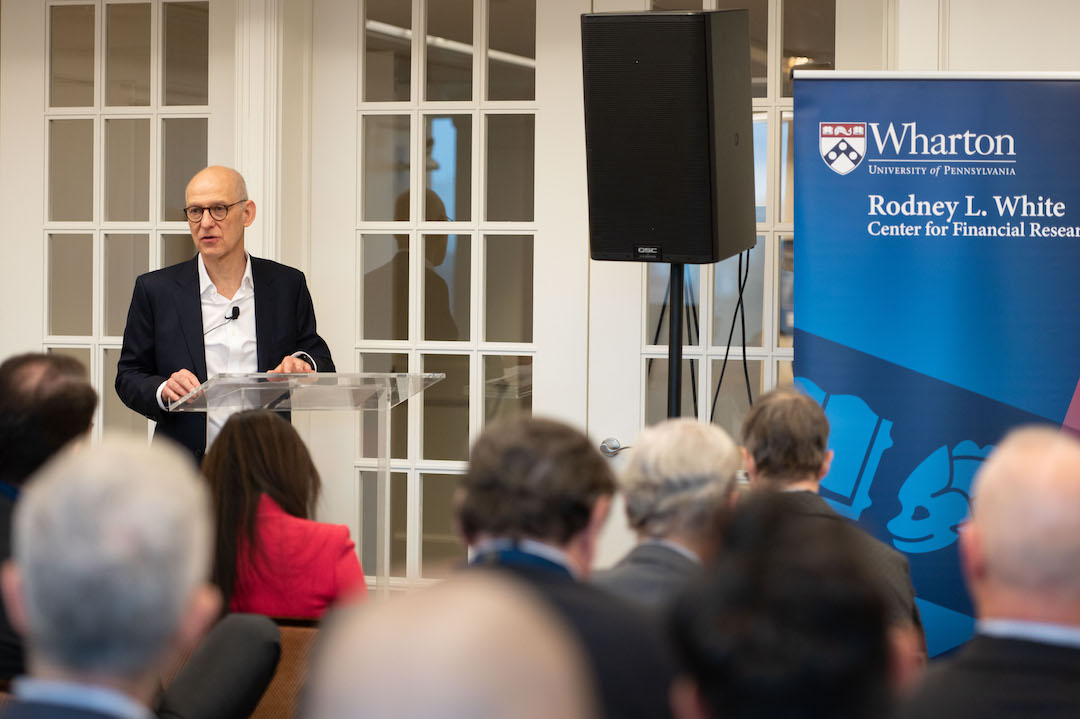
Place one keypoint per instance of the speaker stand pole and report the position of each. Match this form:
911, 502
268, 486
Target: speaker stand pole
675, 320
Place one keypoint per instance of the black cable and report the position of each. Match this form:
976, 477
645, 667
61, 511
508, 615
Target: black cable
741, 281
742, 315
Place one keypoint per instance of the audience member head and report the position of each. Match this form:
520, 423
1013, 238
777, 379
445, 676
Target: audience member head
111, 558
785, 439
45, 402
537, 479
787, 624
1021, 549
257, 452
475, 646
680, 477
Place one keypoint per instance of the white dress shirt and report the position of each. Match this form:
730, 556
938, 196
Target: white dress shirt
230, 345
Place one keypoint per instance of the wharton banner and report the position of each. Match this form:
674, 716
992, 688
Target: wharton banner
937, 299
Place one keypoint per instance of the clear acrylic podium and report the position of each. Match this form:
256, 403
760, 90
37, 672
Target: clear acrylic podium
364, 391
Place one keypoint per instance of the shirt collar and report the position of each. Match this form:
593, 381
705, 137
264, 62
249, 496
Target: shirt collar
205, 284
528, 546
83, 696
1060, 634
675, 547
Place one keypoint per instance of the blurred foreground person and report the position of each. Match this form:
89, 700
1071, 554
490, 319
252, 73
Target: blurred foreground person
1021, 559
785, 440
271, 558
531, 507
475, 646
680, 478
46, 402
109, 579
787, 625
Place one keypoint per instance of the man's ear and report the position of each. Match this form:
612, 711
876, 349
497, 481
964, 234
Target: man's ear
686, 701
825, 465
972, 556
748, 463
249, 213
11, 587
202, 611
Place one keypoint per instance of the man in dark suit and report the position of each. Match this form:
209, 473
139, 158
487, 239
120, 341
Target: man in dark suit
785, 440
1020, 554
680, 478
533, 502
223, 311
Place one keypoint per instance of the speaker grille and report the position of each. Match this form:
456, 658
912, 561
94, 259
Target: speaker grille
647, 135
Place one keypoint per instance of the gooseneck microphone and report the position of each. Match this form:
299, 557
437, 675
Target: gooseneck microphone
228, 318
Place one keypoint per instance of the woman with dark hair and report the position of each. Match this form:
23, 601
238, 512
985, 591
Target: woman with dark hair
271, 558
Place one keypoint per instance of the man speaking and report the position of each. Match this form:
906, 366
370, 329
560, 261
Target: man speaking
222, 311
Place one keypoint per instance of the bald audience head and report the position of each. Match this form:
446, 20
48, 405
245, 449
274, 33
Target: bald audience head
473, 647
1021, 550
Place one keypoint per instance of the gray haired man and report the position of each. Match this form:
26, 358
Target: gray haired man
681, 476
109, 578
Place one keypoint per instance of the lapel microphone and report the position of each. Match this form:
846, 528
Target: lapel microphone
228, 318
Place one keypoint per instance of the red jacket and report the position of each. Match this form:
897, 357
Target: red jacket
299, 569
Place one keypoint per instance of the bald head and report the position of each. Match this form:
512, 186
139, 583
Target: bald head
218, 176
472, 647
1026, 518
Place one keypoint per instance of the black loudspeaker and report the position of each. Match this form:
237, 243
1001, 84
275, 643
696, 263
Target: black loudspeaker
668, 135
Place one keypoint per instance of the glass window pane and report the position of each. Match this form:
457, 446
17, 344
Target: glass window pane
511, 50
449, 50
399, 415
728, 403
176, 249
441, 551
369, 513
71, 170
510, 167
127, 169
508, 288
785, 376
446, 408
656, 383
187, 53
447, 279
115, 416
448, 175
71, 284
127, 54
183, 142
787, 167
71, 55
785, 303
126, 257
384, 260
761, 165
809, 38
657, 297
387, 45
386, 167
676, 4
759, 40
80, 354
726, 297
507, 386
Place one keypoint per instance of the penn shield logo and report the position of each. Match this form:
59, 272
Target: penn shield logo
842, 145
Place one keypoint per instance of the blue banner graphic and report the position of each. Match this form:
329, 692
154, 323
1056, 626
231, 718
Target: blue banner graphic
937, 245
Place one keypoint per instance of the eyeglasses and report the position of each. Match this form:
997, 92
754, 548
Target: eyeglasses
218, 212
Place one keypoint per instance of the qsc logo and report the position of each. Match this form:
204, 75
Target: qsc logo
842, 145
